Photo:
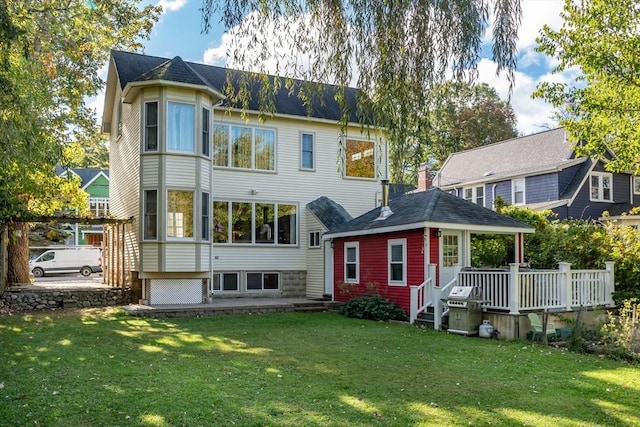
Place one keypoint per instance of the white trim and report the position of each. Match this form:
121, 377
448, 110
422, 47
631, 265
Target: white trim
318, 244
444, 225
313, 151
633, 186
94, 178
514, 182
601, 176
390, 244
350, 245
133, 87
584, 179
253, 129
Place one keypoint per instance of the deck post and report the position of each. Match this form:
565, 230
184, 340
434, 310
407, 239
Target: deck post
609, 284
434, 294
514, 288
566, 293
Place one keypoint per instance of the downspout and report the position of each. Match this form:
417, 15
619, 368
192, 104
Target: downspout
211, 231
493, 197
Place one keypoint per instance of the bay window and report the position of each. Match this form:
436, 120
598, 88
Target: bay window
180, 214
180, 127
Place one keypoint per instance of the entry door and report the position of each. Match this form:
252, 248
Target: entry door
328, 268
450, 255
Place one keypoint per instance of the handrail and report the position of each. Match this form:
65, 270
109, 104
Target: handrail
418, 302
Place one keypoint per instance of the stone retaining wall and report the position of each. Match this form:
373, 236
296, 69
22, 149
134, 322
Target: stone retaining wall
40, 299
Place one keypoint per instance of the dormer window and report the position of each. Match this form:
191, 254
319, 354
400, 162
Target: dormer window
600, 188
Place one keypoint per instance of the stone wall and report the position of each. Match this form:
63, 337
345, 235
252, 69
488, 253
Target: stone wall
41, 299
293, 283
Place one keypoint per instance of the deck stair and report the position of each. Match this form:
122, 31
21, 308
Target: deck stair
426, 320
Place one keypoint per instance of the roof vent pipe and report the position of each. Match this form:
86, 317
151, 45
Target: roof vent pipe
385, 211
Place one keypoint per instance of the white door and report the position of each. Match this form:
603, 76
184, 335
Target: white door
328, 269
450, 255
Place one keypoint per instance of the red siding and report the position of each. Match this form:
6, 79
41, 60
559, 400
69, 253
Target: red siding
374, 267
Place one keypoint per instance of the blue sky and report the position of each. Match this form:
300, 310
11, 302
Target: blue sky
179, 33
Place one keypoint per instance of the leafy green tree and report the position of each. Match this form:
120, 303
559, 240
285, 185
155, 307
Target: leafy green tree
601, 108
397, 50
466, 116
50, 54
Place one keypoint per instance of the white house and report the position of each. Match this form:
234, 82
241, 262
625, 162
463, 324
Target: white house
225, 204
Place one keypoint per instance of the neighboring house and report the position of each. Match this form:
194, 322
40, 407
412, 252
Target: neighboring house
391, 250
226, 205
96, 183
539, 171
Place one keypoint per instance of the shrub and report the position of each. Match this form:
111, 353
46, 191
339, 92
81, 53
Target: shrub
621, 335
373, 307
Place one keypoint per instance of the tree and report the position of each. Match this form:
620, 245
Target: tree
397, 50
50, 54
467, 116
601, 108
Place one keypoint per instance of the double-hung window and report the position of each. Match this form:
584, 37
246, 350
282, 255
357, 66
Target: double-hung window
205, 217
518, 191
180, 127
151, 126
351, 262
307, 151
397, 256
180, 214
206, 135
314, 239
600, 187
150, 214
475, 194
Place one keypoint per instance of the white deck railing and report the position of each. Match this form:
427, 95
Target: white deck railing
516, 290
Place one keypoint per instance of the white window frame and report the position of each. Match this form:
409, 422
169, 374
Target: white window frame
194, 130
147, 216
294, 232
514, 185
356, 246
635, 183
313, 151
360, 155
471, 194
99, 206
146, 126
314, 239
600, 176
230, 156
193, 216
390, 244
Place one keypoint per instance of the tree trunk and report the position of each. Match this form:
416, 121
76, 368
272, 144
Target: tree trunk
18, 252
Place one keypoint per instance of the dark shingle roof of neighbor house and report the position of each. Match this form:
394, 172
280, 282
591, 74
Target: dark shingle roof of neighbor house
328, 212
85, 174
514, 157
134, 67
433, 205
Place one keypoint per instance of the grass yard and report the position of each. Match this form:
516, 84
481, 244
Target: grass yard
100, 367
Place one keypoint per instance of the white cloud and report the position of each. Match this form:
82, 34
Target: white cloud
171, 5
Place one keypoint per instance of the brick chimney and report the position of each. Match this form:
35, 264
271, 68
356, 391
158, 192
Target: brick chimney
425, 177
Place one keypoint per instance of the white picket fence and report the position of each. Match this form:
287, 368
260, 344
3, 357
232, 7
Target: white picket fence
517, 290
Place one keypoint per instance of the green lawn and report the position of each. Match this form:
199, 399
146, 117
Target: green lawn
103, 368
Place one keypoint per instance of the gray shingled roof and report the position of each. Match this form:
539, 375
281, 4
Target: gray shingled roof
431, 206
134, 67
514, 157
328, 212
85, 174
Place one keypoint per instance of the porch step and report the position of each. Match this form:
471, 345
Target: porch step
427, 320
310, 307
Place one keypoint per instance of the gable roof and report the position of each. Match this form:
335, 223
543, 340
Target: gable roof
86, 175
527, 155
433, 208
328, 212
134, 68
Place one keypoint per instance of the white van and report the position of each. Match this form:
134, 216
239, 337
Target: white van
83, 260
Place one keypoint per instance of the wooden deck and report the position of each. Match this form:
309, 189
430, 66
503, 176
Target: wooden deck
230, 306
